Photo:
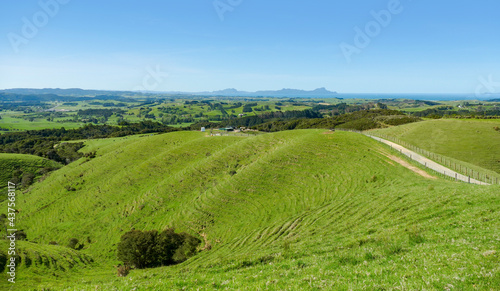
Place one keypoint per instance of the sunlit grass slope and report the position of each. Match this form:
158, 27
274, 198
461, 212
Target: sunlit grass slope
289, 210
472, 141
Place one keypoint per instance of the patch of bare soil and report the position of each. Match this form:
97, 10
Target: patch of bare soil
413, 168
409, 166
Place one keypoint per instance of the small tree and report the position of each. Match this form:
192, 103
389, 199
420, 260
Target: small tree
152, 249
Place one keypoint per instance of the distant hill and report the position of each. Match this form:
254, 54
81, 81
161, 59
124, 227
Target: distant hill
66, 92
231, 92
45, 97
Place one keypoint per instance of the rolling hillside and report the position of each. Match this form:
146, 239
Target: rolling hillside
289, 210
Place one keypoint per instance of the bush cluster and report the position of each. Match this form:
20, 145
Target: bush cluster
147, 249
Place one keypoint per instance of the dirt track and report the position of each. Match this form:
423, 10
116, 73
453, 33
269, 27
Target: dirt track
429, 163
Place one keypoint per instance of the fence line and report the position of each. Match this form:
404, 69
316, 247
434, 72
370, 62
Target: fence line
231, 134
461, 172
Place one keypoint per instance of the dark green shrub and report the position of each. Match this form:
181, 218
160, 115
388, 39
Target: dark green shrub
152, 249
27, 180
21, 235
3, 261
73, 243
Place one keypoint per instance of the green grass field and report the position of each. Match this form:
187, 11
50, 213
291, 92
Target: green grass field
11, 123
284, 211
473, 141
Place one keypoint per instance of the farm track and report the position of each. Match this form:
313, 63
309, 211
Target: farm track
428, 163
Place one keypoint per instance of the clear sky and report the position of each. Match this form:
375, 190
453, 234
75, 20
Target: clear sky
419, 46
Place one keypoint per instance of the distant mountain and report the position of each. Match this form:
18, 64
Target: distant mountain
230, 92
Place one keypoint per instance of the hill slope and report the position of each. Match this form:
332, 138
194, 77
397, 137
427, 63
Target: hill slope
472, 141
296, 209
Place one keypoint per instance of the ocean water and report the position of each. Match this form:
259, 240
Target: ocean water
427, 97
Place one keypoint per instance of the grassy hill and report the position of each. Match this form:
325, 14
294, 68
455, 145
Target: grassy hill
289, 210
24, 164
472, 141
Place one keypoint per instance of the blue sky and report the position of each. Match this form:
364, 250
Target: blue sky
190, 45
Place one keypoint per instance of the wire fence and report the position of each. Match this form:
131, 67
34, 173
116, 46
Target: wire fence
232, 134
457, 171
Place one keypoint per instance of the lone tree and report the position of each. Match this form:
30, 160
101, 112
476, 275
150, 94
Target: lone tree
146, 249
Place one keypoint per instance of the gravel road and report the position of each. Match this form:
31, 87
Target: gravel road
429, 163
